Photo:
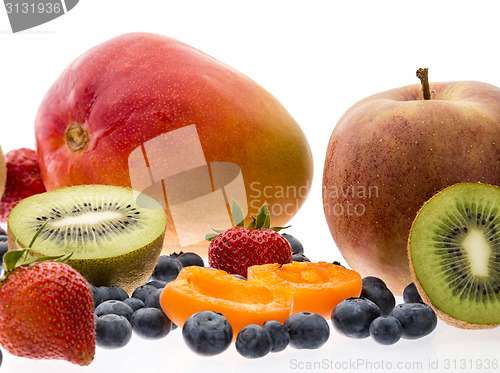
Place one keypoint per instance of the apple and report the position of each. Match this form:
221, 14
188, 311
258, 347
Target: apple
152, 113
391, 152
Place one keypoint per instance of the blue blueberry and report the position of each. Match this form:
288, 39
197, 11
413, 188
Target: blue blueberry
95, 295
279, 335
153, 300
307, 330
1, 357
372, 280
296, 245
4, 247
353, 316
417, 319
143, 291
381, 296
115, 307
300, 258
411, 295
150, 323
207, 333
157, 283
112, 331
112, 293
3, 238
134, 303
166, 269
253, 341
3, 232
386, 330
191, 259
239, 276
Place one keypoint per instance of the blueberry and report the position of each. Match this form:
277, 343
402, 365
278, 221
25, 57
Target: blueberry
1, 357
112, 293
296, 245
134, 303
142, 292
353, 316
115, 307
153, 300
411, 295
150, 323
307, 330
380, 295
3, 232
300, 258
112, 331
3, 249
239, 276
337, 263
166, 269
207, 333
279, 335
372, 280
3, 238
253, 341
386, 330
417, 319
191, 259
157, 283
95, 295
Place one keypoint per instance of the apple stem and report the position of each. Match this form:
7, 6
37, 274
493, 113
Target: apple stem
423, 75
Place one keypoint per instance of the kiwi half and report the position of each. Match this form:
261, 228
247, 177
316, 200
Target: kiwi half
114, 240
454, 252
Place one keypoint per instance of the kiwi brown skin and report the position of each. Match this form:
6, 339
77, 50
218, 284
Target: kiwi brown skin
461, 324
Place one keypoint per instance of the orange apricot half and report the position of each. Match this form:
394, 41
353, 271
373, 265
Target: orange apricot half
316, 287
241, 302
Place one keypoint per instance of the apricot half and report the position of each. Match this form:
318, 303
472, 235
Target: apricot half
316, 287
241, 302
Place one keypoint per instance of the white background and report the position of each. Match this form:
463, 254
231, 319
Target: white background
318, 58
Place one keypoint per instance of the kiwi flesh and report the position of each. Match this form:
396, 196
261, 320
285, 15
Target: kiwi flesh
114, 240
454, 254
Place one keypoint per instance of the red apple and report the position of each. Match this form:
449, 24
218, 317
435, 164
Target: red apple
391, 152
199, 129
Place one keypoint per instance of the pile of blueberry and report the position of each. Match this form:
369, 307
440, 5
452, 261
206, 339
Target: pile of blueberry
3, 243
376, 314
117, 315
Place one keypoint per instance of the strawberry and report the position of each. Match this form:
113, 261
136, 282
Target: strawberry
46, 310
237, 248
23, 179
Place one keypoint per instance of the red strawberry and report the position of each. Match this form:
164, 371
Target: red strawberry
237, 248
23, 179
46, 311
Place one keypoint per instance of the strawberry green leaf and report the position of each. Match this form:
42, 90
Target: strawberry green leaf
277, 229
218, 231
237, 213
11, 258
262, 217
37, 234
252, 224
210, 236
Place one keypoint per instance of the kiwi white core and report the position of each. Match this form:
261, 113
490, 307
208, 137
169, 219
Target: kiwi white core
478, 251
91, 221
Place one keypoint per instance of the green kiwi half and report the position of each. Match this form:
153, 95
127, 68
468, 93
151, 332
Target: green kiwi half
114, 240
454, 252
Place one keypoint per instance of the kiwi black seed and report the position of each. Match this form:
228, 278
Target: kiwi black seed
454, 252
114, 240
